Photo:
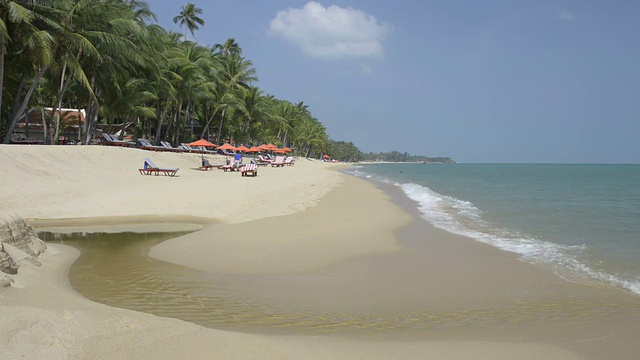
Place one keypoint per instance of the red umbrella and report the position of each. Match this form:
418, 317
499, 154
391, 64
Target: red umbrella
325, 157
202, 142
227, 146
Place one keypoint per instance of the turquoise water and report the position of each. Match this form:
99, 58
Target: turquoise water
581, 220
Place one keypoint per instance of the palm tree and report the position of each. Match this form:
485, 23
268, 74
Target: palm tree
230, 47
237, 73
189, 18
33, 36
10, 12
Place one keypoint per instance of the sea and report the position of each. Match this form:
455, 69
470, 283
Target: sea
581, 220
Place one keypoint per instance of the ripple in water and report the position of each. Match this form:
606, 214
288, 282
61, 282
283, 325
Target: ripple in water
114, 269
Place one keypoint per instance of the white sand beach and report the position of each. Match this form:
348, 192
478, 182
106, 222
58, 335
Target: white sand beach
307, 221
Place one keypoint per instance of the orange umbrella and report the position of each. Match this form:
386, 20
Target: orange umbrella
202, 142
287, 149
326, 156
242, 148
227, 146
272, 147
254, 149
279, 151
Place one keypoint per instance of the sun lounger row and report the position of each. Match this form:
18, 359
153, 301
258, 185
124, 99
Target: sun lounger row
18, 138
282, 161
277, 162
110, 139
113, 140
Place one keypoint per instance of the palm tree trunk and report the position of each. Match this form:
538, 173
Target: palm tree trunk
284, 140
206, 127
63, 89
176, 122
23, 106
88, 120
3, 50
16, 100
220, 128
45, 129
161, 115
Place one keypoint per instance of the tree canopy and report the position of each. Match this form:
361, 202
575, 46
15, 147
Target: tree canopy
137, 78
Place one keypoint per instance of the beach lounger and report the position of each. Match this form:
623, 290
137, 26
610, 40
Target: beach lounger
226, 152
231, 166
206, 165
147, 145
150, 168
289, 161
112, 140
262, 160
168, 147
249, 170
279, 161
195, 150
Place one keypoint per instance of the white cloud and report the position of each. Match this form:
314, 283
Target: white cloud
331, 32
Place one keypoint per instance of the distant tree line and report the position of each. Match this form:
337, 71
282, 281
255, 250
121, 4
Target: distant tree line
396, 156
348, 152
344, 151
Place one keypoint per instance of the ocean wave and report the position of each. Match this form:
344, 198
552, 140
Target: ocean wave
463, 218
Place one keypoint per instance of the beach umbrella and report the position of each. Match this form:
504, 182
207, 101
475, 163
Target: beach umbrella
287, 149
226, 146
279, 151
202, 142
325, 157
272, 147
254, 149
242, 148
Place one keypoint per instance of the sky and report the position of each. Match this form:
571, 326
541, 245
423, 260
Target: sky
479, 81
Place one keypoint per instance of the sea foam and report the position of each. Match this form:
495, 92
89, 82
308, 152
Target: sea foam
462, 217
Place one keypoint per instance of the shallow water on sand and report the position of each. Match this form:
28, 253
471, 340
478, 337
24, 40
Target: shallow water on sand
114, 269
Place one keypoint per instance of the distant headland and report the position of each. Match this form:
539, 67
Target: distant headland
396, 156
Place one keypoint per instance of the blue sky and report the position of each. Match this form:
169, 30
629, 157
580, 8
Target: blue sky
479, 81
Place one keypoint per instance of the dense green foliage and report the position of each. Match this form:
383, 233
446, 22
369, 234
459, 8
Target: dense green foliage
108, 58
344, 151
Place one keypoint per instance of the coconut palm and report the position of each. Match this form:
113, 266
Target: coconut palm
189, 18
236, 73
32, 36
230, 47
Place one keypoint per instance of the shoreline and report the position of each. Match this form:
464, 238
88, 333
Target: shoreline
65, 325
